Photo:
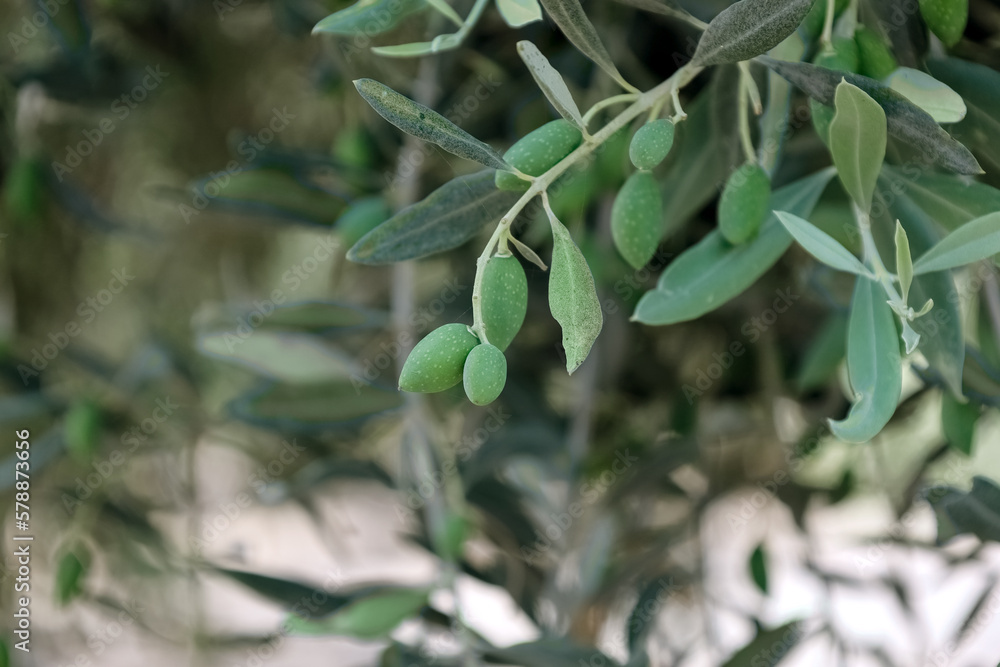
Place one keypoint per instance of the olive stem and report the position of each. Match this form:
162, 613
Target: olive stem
605, 103
831, 9
540, 184
744, 118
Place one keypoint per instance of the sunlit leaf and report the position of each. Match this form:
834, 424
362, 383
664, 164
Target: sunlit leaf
942, 103
518, 13
369, 17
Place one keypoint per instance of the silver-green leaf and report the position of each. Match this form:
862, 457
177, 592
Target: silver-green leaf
519, 12
904, 263
573, 297
874, 365
821, 245
858, 135
447, 218
969, 243
571, 19
936, 98
747, 29
551, 83
369, 17
427, 124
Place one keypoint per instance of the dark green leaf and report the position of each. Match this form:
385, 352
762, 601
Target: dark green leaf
548, 653
874, 365
315, 408
290, 593
747, 29
976, 512
447, 218
905, 121
427, 124
959, 422
712, 272
824, 354
979, 87
769, 647
948, 200
279, 355
69, 575
367, 617
571, 19
758, 568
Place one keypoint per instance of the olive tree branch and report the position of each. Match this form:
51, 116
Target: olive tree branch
643, 103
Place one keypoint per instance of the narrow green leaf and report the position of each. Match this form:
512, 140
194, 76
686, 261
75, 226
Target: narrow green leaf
857, 142
979, 87
571, 19
747, 29
976, 512
550, 82
821, 245
446, 10
519, 12
905, 121
712, 272
758, 568
768, 648
285, 592
969, 243
950, 200
369, 617
942, 103
959, 422
548, 653
415, 49
904, 264
874, 365
447, 218
426, 124
573, 297
369, 17
70, 573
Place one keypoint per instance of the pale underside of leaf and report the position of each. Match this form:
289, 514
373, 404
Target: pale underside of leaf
973, 241
551, 83
519, 13
821, 245
571, 19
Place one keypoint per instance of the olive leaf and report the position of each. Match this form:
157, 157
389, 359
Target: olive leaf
969, 243
979, 87
942, 103
369, 617
904, 263
747, 29
445, 219
959, 423
446, 10
950, 200
857, 142
712, 272
573, 297
905, 121
571, 19
976, 512
519, 12
821, 245
427, 124
369, 17
414, 49
874, 365
758, 568
551, 83
769, 647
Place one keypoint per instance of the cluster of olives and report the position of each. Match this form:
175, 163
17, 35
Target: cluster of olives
453, 353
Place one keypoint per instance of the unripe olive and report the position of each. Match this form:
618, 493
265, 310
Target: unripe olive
537, 152
744, 204
361, 217
875, 60
485, 374
637, 219
505, 299
946, 18
651, 143
436, 362
843, 57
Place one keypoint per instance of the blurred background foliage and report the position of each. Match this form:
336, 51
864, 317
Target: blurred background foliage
191, 353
